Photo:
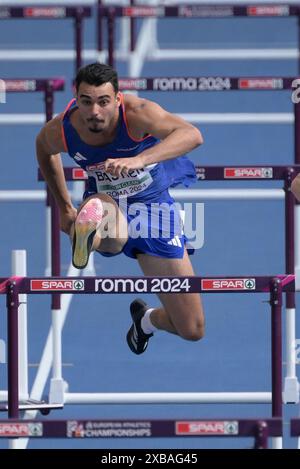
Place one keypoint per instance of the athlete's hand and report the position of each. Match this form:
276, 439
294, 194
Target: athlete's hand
116, 166
67, 219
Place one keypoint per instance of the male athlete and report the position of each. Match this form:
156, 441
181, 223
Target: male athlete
128, 146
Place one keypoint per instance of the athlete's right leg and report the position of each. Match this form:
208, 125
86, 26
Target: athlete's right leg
99, 225
182, 313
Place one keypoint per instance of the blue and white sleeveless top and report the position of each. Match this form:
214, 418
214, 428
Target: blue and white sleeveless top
139, 184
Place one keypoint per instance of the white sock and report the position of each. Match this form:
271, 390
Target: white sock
146, 323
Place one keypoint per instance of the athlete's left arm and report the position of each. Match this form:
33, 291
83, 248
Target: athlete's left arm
177, 136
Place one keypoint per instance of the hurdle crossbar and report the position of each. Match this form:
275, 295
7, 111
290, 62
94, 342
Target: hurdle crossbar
214, 173
275, 285
260, 429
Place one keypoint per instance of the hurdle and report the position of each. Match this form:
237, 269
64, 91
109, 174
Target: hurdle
41, 12
48, 87
147, 47
274, 285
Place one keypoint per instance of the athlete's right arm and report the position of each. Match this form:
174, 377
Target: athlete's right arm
49, 144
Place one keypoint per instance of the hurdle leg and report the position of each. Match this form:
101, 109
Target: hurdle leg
291, 385
261, 437
18, 262
56, 394
12, 303
57, 384
19, 269
276, 312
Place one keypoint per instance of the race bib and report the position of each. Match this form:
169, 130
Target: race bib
125, 185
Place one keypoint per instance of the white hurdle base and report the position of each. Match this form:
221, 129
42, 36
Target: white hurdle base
58, 388
169, 398
291, 390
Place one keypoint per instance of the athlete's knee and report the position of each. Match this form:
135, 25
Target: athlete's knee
92, 209
193, 334
100, 202
192, 331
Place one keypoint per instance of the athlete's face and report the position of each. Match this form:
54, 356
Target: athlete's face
98, 106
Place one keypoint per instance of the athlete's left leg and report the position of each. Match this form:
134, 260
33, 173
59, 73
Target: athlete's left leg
181, 314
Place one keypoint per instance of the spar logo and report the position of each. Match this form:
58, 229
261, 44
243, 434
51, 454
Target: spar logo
143, 11
21, 429
133, 83
206, 427
228, 284
271, 10
56, 285
45, 12
248, 173
260, 84
20, 85
79, 174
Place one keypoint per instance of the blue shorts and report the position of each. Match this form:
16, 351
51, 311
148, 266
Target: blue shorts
154, 228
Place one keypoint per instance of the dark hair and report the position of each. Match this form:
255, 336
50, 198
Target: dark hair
97, 74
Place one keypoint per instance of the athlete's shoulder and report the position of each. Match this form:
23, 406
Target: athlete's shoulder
141, 113
51, 136
134, 104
